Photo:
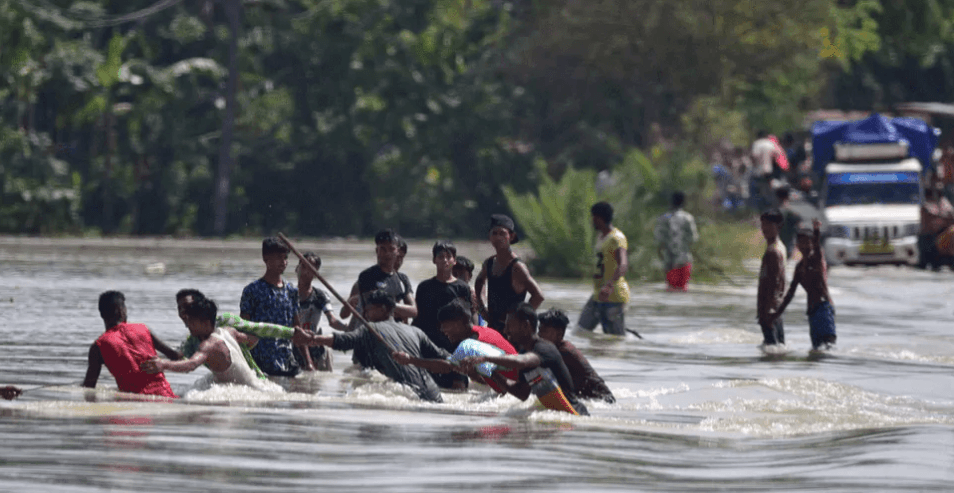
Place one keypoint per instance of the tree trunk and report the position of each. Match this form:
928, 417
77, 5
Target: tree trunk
223, 181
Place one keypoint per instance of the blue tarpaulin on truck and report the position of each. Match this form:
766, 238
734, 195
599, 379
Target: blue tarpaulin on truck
876, 129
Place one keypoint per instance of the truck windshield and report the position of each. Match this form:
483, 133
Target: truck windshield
873, 188
897, 193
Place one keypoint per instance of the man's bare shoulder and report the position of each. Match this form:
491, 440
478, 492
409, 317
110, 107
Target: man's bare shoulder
772, 251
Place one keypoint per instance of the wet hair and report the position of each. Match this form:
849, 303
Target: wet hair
202, 309
313, 259
783, 193
455, 310
602, 210
524, 312
379, 297
194, 293
554, 318
274, 244
772, 215
465, 263
678, 198
387, 236
402, 245
444, 246
109, 302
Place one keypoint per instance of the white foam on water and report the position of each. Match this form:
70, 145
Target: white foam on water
922, 354
718, 335
803, 405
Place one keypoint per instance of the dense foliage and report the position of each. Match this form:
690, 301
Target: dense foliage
345, 116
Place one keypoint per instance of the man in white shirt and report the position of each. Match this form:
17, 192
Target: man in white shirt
763, 158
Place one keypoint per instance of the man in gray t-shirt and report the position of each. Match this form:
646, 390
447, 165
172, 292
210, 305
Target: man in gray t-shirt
379, 310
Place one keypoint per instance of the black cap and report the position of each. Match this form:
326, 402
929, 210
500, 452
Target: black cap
504, 222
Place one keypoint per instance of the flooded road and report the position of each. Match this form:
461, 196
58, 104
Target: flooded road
699, 408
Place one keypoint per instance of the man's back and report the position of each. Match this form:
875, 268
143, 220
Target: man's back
124, 347
675, 232
401, 337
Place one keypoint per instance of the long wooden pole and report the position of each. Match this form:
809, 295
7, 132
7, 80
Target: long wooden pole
344, 302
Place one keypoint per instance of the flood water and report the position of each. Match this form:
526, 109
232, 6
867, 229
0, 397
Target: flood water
699, 406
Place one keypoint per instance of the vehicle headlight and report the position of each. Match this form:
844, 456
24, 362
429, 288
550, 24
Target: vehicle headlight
912, 229
839, 231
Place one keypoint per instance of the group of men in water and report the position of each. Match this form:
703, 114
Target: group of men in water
277, 331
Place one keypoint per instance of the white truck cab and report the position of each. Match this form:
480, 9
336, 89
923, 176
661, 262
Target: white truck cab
871, 200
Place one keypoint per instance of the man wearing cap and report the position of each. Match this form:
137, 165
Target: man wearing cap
507, 278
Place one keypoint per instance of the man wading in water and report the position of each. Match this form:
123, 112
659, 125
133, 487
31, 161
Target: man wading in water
810, 273
771, 280
507, 278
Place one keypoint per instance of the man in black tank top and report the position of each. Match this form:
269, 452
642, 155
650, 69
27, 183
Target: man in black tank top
507, 278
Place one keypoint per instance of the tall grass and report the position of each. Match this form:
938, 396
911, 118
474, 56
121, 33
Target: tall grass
556, 219
557, 223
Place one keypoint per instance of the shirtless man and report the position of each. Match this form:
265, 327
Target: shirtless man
810, 273
218, 348
771, 280
507, 278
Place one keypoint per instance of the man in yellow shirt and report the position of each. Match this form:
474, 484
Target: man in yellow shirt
610, 290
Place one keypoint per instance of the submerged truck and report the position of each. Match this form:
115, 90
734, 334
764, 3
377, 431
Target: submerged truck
872, 186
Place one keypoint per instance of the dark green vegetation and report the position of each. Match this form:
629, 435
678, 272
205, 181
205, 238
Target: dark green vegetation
343, 116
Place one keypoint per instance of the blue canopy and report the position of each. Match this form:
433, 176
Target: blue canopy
876, 129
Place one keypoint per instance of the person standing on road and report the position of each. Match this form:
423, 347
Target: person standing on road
610, 290
675, 233
764, 152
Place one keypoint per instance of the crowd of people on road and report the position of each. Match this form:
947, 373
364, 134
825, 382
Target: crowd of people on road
750, 178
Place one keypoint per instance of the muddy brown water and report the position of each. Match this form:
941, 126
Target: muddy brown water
700, 407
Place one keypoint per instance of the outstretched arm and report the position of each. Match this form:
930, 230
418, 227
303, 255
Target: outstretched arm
95, 366
431, 365
511, 361
156, 365
164, 348
242, 338
788, 298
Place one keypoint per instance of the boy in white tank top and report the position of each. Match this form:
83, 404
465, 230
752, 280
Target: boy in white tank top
218, 349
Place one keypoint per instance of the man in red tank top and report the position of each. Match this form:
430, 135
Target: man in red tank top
125, 346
